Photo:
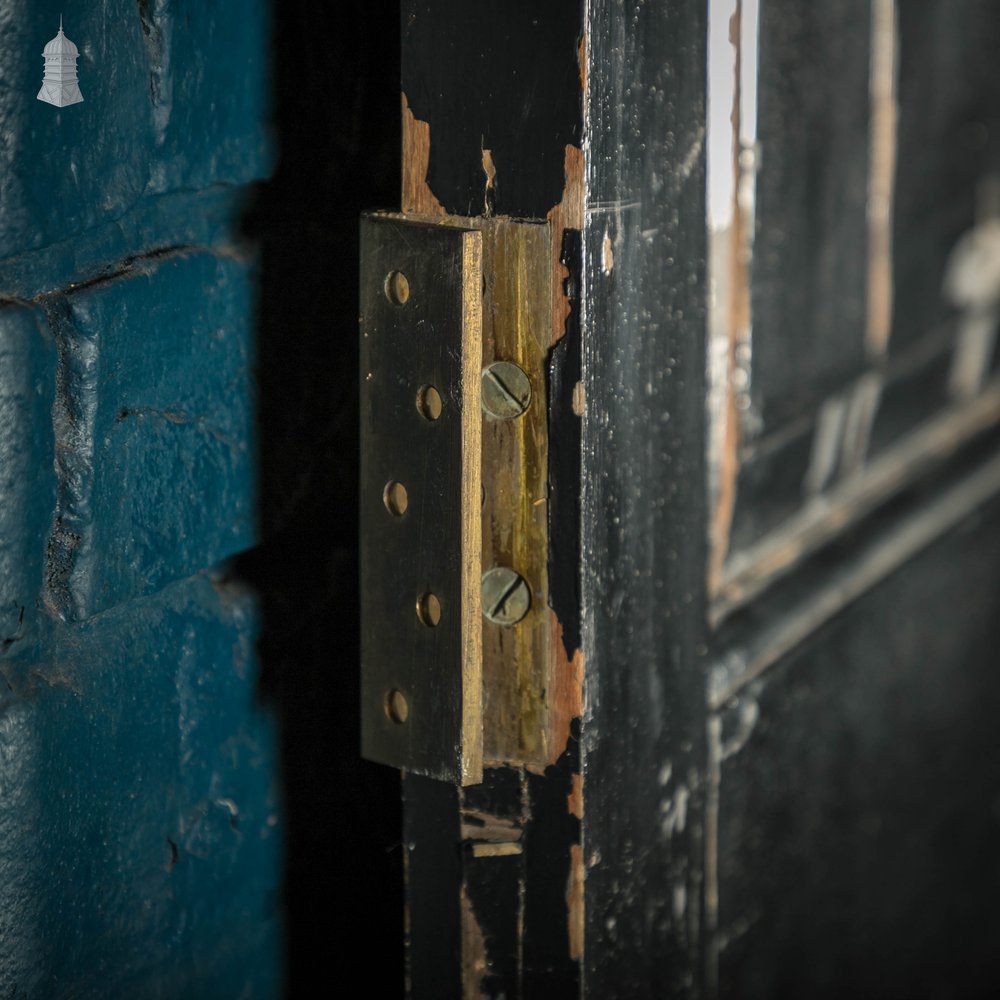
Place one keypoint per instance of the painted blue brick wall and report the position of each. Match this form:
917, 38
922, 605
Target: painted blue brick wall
141, 829
154, 428
138, 843
174, 99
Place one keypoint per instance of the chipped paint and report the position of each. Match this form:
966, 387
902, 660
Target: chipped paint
495, 850
490, 170
566, 701
568, 214
607, 254
574, 800
417, 199
474, 962
482, 827
575, 901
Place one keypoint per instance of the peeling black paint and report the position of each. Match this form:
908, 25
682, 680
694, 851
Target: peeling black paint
493, 884
549, 969
563, 373
501, 76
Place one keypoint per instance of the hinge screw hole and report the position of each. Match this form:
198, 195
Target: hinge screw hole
397, 288
429, 609
429, 403
395, 498
396, 706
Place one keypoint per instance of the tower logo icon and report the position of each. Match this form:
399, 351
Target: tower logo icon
59, 85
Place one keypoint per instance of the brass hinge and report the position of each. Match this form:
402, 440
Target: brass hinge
456, 318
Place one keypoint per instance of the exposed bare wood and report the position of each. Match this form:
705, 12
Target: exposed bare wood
496, 850
575, 901
490, 170
484, 827
568, 214
575, 798
474, 963
418, 199
565, 693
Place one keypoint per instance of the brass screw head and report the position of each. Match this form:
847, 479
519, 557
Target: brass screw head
506, 597
506, 390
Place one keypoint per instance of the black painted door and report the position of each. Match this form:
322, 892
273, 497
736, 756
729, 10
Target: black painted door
773, 479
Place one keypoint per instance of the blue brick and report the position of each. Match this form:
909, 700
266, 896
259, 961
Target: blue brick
157, 445
27, 477
140, 837
205, 218
154, 75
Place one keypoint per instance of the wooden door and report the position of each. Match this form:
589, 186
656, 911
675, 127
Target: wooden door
773, 546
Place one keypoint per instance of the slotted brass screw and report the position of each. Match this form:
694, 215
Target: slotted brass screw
506, 390
506, 597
